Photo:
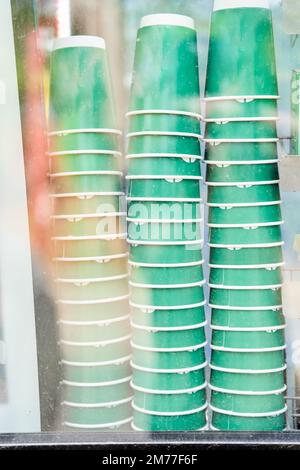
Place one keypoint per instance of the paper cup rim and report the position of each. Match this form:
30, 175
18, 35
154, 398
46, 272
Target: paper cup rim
250, 393
248, 350
121, 360
247, 287
175, 112
168, 307
243, 184
247, 329
168, 392
164, 265
167, 19
256, 308
240, 98
191, 135
96, 259
90, 130
151, 329
109, 404
91, 323
78, 41
109, 237
96, 384
182, 156
85, 173
248, 371
169, 413
106, 300
228, 4
246, 266
244, 204
83, 344
138, 221
136, 428
259, 224
226, 120
166, 350
246, 245
91, 280
164, 199
86, 195
63, 153
242, 141
168, 286
97, 215
182, 370
249, 415
161, 243
179, 178
97, 426
227, 163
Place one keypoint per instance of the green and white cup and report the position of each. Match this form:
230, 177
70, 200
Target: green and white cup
99, 414
167, 186
167, 295
149, 165
98, 332
160, 274
230, 173
61, 162
168, 380
249, 338
251, 235
186, 252
166, 318
241, 130
156, 209
91, 268
86, 181
90, 225
249, 215
239, 277
160, 121
262, 361
95, 351
164, 230
86, 311
274, 421
90, 247
186, 337
249, 193
70, 140
174, 360
245, 296
179, 144
89, 289
89, 203
246, 257
162, 402
241, 107
97, 372
90, 393
240, 151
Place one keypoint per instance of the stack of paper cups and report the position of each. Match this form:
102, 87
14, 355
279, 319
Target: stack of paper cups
166, 278
244, 217
89, 233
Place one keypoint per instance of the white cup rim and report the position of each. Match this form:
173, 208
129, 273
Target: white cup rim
249, 329
167, 286
96, 130
121, 360
139, 112
248, 415
97, 426
66, 153
164, 265
97, 344
92, 280
91, 323
97, 259
97, 405
243, 392
168, 392
152, 329
78, 41
248, 371
169, 413
167, 19
229, 4
163, 350
168, 307
248, 350
106, 300
97, 384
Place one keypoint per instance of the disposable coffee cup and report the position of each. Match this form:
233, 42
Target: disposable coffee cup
88, 204
97, 415
178, 144
171, 402
166, 275
252, 381
68, 140
243, 107
187, 422
80, 85
254, 297
241, 129
256, 60
243, 193
249, 235
228, 422
89, 226
157, 210
241, 151
250, 215
164, 185
91, 290
258, 257
228, 173
115, 390
164, 165
245, 277
81, 182
88, 247
244, 361
181, 338
94, 332
70, 162
166, 254
164, 318
75, 351
98, 268
93, 312
169, 43
246, 318
168, 360
164, 231
168, 381
97, 372
164, 121
167, 294
249, 339
251, 403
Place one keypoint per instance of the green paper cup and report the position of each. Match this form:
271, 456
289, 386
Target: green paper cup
68, 141
81, 182
167, 295
238, 173
164, 231
95, 373
227, 422
249, 235
245, 277
249, 339
70, 162
255, 61
245, 215
110, 268
93, 312
254, 297
169, 44
88, 226
88, 204
261, 361
97, 415
89, 247
159, 121
164, 143
249, 381
80, 86
169, 402
258, 257
251, 403
89, 332
110, 350
164, 186
91, 290
166, 275
96, 393
144, 165
157, 210
241, 130
187, 422
166, 254
246, 318
169, 339
240, 151
240, 107
182, 380
165, 318
168, 360
243, 193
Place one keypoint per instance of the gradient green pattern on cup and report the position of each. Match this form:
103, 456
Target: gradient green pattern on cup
89, 226
95, 352
84, 141
166, 254
91, 394
164, 210
80, 92
246, 256
241, 130
164, 231
243, 193
255, 60
249, 339
241, 235
241, 151
96, 373
164, 166
168, 360
225, 422
190, 422
97, 415
93, 312
245, 297
254, 382
161, 296
87, 183
93, 332
245, 277
241, 108
241, 173
264, 360
181, 145
91, 269
169, 402
248, 403
246, 318
88, 204
168, 339
167, 318
245, 215
168, 381
164, 275
165, 69
82, 248
163, 122
84, 162
174, 187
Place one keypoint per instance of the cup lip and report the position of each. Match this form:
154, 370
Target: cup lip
85, 173
110, 237
166, 350
191, 135
66, 153
86, 195
92, 323
121, 360
248, 415
168, 392
228, 4
222, 164
182, 156
259, 224
248, 371
247, 350
169, 243
167, 19
109, 404
244, 204
95, 343
183, 370
151, 329
250, 393
136, 428
243, 184
225, 307
138, 221
226, 120
78, 217
240, 98
97, 259
84, 130
168, 307
175, 112
168, 286
248, 329
252, 266
165, 199
97, 426
177, 178
164, 265
92, 280
170, 413
246, 245
241, 287
96, 384
93, 302
78, 41
253, 140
